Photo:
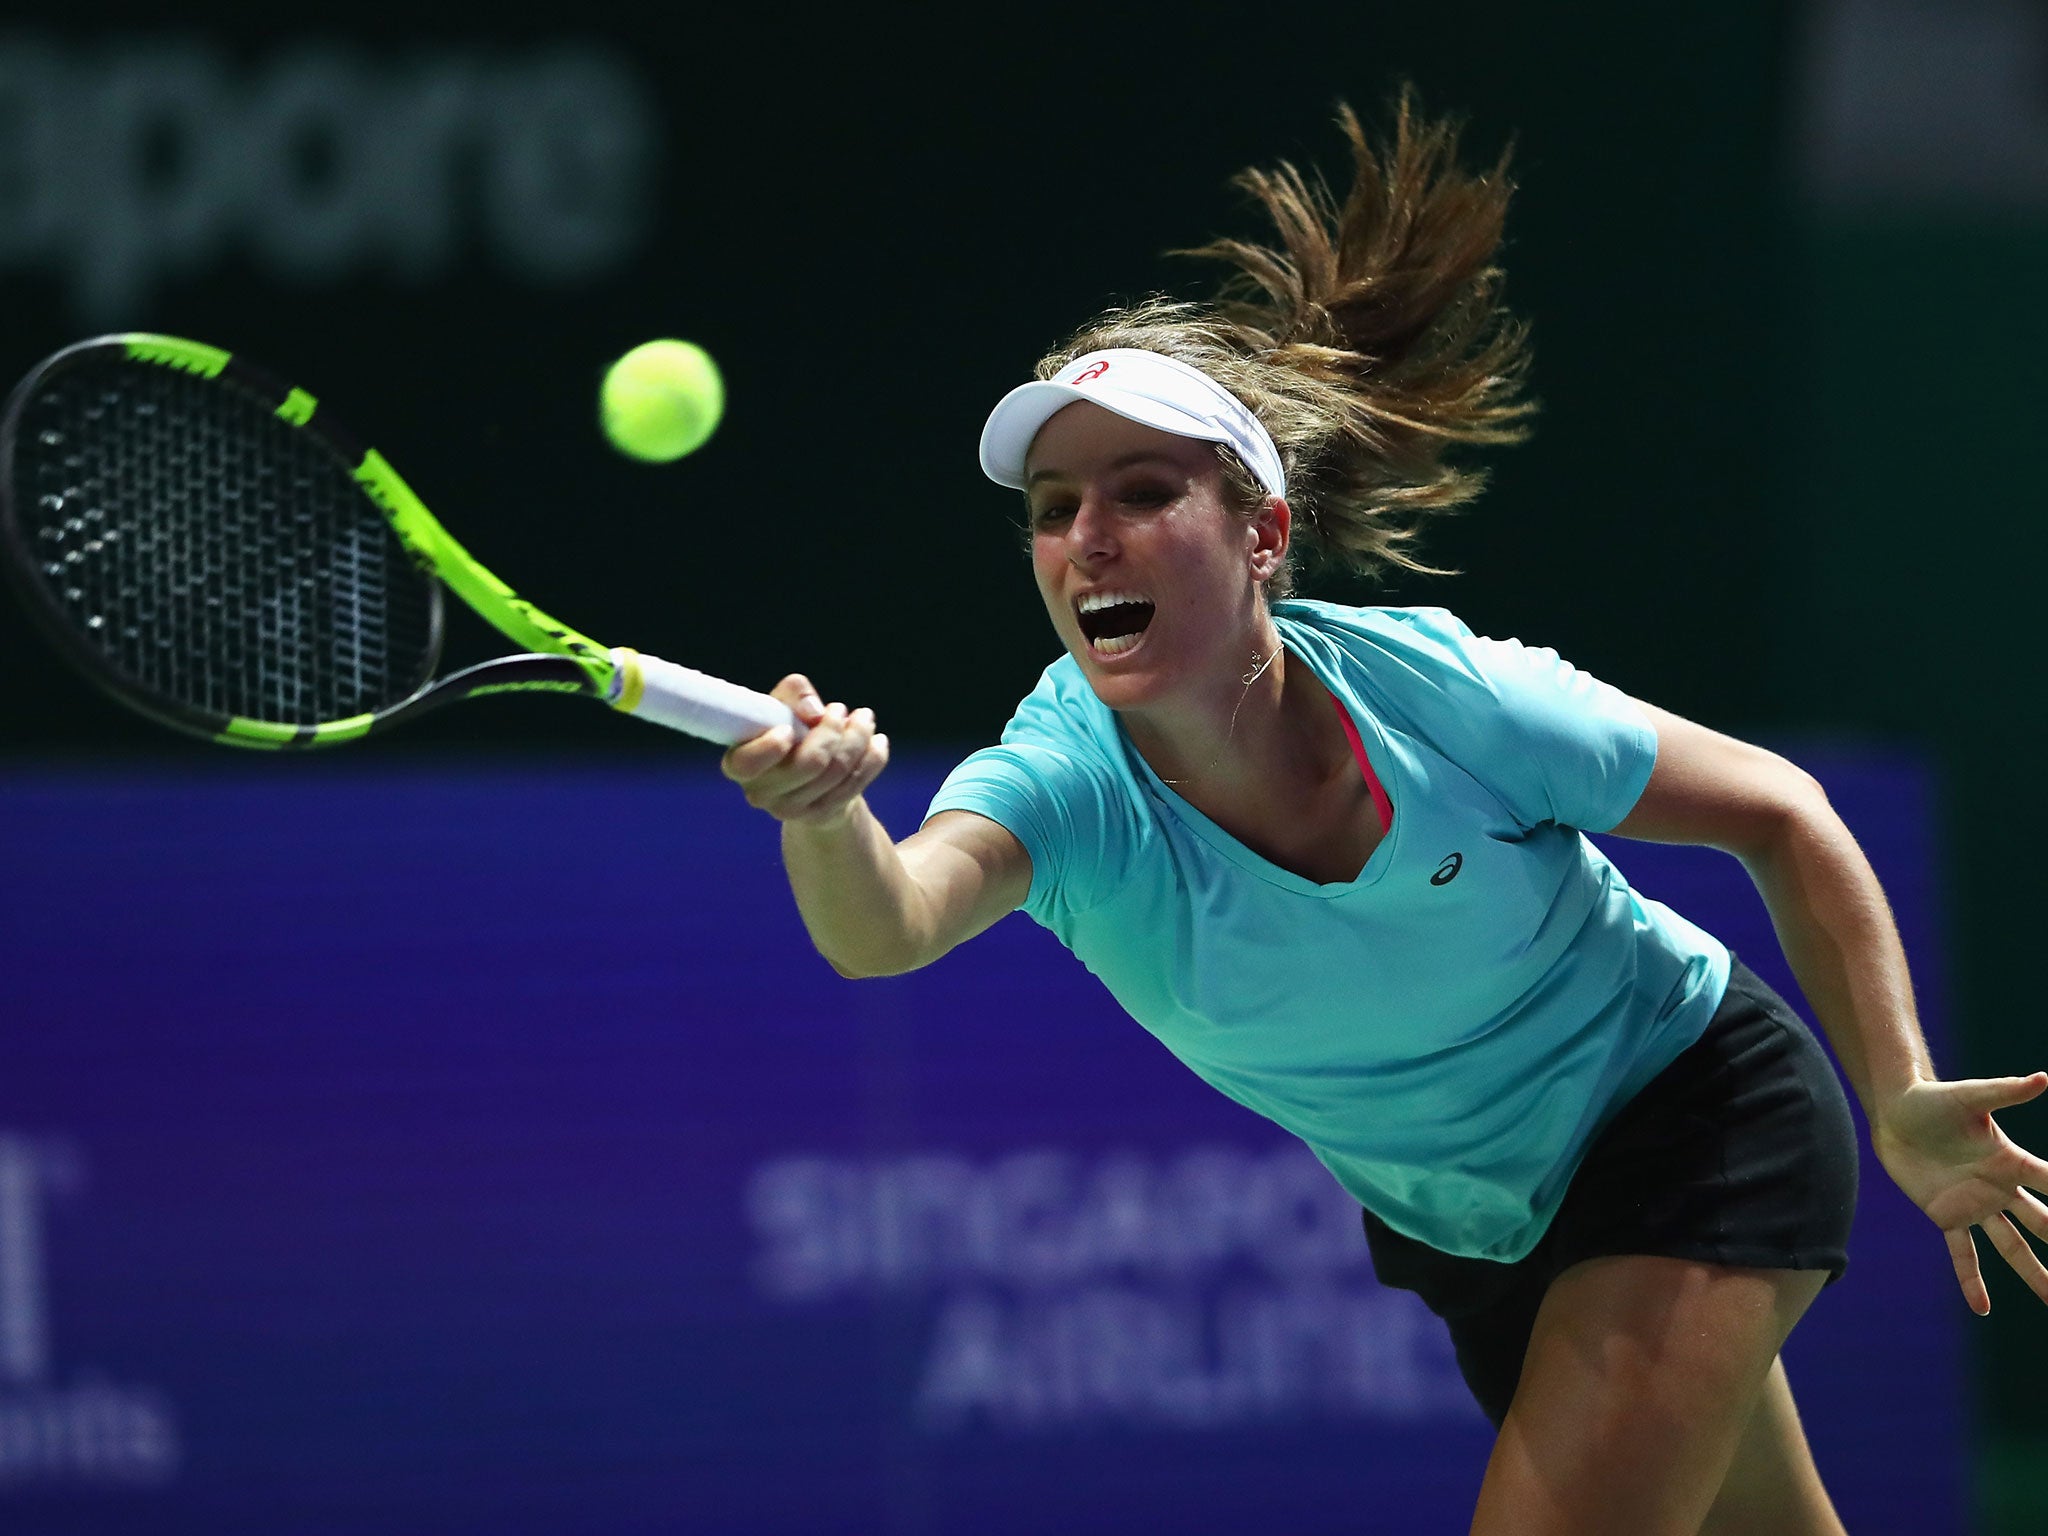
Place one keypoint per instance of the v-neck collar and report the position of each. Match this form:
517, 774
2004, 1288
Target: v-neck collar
1370, 736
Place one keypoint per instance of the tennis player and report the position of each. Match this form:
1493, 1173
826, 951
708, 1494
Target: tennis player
1332, 857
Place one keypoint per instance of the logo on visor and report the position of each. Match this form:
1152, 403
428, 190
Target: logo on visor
1094, 370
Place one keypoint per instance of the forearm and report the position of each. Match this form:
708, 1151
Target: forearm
856, 896
1838, 935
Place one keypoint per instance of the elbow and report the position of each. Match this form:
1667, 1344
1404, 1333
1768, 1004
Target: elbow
1804, 801
867, 967
1797, 810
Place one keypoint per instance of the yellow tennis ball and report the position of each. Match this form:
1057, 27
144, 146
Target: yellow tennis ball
661, 400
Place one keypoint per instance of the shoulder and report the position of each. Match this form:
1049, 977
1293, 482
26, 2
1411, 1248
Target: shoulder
1063, 713
1401, 650
1436, 650
1058, 730
1372, 626
1552, 742
1061, 783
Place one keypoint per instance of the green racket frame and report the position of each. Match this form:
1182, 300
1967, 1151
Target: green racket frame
560, 659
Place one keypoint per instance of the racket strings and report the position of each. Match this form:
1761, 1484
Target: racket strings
215, 555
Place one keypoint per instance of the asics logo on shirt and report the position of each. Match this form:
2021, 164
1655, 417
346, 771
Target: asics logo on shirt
1447, 871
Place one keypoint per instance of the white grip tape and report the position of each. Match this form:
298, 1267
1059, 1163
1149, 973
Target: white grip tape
684, 699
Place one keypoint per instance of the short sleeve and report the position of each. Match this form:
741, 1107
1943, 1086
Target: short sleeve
1555, 743
1065, 812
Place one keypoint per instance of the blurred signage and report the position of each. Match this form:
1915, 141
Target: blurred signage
490, 1152
90, 1432
134, 163
1209, 1287
1941, 102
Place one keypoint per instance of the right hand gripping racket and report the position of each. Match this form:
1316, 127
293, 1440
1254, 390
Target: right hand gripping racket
210, 547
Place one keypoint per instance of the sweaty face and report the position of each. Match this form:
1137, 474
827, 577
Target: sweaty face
1146, 574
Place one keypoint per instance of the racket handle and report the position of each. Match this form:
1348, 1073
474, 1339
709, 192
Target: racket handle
687, 700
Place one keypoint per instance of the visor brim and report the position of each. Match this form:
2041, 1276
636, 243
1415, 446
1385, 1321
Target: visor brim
1020, 415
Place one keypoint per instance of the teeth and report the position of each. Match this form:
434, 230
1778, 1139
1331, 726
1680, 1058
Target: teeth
1093, 600
1112, 646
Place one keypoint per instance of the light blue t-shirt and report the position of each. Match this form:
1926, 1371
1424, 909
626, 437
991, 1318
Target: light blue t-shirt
1448, 1031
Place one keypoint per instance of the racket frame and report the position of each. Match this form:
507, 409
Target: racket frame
559, 659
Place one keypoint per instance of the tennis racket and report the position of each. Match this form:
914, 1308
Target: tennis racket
208, 545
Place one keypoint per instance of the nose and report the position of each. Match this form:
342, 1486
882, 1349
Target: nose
1091, 536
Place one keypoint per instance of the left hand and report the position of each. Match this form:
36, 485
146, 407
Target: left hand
1939, 1142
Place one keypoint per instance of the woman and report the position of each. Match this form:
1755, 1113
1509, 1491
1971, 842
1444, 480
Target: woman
1333, 857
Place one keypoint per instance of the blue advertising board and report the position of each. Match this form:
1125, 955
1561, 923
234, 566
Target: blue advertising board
421, 1148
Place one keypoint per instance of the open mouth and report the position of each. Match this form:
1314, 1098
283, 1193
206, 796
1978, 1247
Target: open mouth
1114, 621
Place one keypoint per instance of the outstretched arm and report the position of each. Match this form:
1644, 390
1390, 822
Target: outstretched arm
874, 907
1937, 1139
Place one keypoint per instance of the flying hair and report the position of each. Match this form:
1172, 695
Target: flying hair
1370, 337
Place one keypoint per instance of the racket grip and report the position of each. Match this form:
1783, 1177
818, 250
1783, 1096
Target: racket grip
684, 699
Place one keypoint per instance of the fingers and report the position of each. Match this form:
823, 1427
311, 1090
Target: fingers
751, 758
796, 691
2014, 1164
1986, 1095
1960, 1167
811, 773
2012, 1247
836, 746
2019, 1253
862, 771
1962, 1253
2032, 1213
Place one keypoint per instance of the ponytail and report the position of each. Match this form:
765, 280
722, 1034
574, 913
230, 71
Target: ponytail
1370, 338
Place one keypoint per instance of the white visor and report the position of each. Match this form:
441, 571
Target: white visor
1145, 387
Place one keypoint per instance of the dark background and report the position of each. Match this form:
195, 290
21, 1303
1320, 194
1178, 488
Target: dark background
1782, 481
878, 228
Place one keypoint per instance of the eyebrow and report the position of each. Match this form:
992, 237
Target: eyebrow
1142, 456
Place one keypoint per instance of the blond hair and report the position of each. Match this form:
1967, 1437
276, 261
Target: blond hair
1370, 339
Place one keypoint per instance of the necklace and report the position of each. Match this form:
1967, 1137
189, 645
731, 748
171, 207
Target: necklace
1258, 671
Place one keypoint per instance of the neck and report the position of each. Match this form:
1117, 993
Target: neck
1246, 726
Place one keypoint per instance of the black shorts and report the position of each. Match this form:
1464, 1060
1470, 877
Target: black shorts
1741, 1152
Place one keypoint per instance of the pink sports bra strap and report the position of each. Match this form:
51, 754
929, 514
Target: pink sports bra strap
1380, 804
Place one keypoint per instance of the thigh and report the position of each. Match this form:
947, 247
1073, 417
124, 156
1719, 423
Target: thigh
1772, 1487
1641, 1377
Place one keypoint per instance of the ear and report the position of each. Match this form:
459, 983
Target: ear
1270, 531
